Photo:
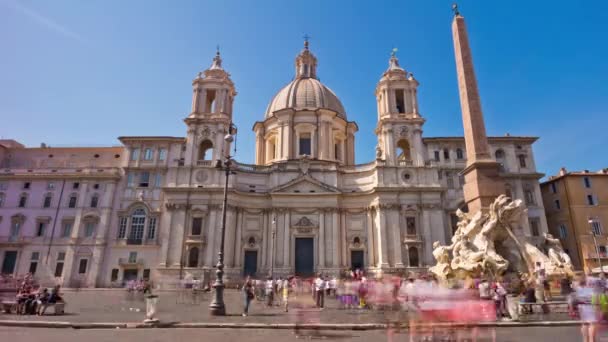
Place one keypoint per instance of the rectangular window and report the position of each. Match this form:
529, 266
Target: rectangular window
461, 180
410, 224
151, 228
557, 205
22, 201
534, 226
305, 144
59, 269
72, 202
522, 160
40, 229
602, 250
148, 153
563, 233
137, 229
553, 188
61, 256
67, 229
130, 179
89, 229
446, 154
122, 227
94, 201
135, 154
590, 200
587, 182
132, 257
75, 185
197, 226
146, 274
144, 179
33, 267
158, 180
596, 227
436, 155
47, 202
114, 274
449, 180
35, 256
50, 185
162, 154
1, 200
15, 228
26, 185
82, 266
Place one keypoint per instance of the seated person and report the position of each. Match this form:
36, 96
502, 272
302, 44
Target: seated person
53, 298
42, 299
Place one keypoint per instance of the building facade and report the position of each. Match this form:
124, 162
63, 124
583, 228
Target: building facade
577, 209
152, 207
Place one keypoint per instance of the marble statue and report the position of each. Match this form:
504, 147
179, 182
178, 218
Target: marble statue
484, 245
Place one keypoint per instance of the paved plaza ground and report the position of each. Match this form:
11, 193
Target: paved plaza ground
117, 305
263, 335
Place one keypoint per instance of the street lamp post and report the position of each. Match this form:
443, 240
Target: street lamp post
597, 249
217, 306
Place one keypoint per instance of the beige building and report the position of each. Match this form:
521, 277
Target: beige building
576, 204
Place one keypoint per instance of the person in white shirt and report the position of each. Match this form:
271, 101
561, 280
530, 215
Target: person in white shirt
484, 290
269, 287
320, 291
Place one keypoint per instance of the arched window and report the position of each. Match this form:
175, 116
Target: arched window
413, 255
305, 144
72, 201
403, 150
22, 200
47, 200
205, 150
499, 154
94, 201
193, 257
138, 220
459, 153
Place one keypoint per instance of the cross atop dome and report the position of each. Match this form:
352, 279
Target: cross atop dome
217, 60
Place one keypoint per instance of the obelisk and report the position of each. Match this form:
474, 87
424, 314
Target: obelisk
481, 178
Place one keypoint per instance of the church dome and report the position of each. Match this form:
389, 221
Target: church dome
305, 91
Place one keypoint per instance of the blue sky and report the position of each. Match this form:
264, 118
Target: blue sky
84, 72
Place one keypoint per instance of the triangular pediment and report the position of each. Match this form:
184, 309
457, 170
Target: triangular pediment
305, 184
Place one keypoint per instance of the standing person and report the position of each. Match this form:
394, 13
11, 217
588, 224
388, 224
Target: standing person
248, 295
269, 286
484, 290
285, 294
320, 291
539, 289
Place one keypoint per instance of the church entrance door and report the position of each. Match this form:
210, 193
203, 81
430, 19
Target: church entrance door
356, 260
304, 257
251, 263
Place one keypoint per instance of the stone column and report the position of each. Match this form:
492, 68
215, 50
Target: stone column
238, 257
230, 236
406, 101
418, 147
211, 228
321, 240
396, 236
177, 236
165, 238
390, 146
286, 237
202, 101
265, 245
428, 236
370, 238
337, 243
381, 238
343, 242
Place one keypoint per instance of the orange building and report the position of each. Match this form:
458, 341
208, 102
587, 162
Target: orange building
576, 204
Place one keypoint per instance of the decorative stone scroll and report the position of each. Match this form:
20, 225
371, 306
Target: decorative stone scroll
304, 225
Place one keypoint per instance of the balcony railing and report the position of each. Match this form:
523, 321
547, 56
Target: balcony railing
130, 262
204, 163
137, 242
13, 239
408, 238
405, 163
594, 255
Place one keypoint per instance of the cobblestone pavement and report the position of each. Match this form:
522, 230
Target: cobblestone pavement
266, 335
119, 306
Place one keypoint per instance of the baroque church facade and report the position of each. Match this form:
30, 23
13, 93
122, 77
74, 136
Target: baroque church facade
152, 208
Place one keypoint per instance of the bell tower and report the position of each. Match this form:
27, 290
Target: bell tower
210, 116
399, 127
